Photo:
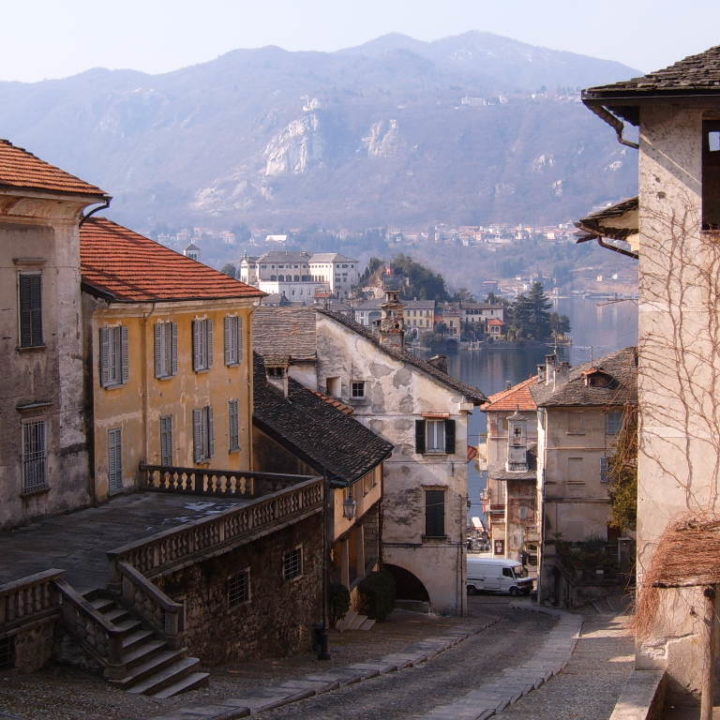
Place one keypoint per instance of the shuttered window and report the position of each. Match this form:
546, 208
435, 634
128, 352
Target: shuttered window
233, 425
34, 456
30, 292
233, 340
434, 513
202, 344
435, 436
166, 442
115, 482
165, 349
114, 358
203, 442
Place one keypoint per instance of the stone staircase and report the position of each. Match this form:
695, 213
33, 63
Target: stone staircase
151, 666
354, 621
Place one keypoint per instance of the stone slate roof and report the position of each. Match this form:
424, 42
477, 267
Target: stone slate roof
285, 256
124, 266
618, 221
321, 434
518, 397
21, 170
694, 75
285, 331
621, 366
330, 257
475, 395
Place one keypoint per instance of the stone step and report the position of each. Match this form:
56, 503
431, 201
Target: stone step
102, 604
154, 664
189, 682
117, 613
345, 622
357, 621
136, 637
128, 625
167, 676
142, 652
367, 624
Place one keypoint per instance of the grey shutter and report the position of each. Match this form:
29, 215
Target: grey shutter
419, 436
210, 433
173, 349
228, 340
239, 339
115, 459
234, 424
159, 350
450, 437
197, 435
196, 344
104, 356
209, 340
166, 440
31, 310
434, 513
124, 355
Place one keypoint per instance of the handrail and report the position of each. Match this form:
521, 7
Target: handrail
26, 598
95, 633
181, 546
151, 603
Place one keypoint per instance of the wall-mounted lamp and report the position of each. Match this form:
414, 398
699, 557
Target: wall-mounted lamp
349, 508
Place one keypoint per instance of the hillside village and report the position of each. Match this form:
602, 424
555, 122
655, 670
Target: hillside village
192, 475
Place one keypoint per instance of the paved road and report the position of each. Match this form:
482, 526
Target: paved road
413, 692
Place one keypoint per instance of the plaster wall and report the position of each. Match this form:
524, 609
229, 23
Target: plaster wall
679, 363
136, 406
398, 394
40, 234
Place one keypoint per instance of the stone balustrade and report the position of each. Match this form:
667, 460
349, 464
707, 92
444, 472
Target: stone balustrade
28, 599
179, 547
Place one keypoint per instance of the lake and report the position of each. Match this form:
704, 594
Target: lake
598, 328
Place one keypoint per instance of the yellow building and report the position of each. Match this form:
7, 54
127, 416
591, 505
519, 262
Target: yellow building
168, 352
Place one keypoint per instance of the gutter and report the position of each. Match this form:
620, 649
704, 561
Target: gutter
615, 123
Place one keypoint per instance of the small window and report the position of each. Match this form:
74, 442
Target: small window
275, 371
357, 389
233, 340
292, 564
115, 466
233, 425
166, 444
114, 357
332, 386
237, 589
202, 344
30, 291
434, 513
604, 470
203, 442
435, 436
165, 349
34, 456
614, 422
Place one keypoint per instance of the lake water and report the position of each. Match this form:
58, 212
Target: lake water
598, 329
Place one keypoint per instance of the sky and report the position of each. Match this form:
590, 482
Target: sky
46, 39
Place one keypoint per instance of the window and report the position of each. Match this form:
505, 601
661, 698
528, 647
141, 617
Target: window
203, 443
34, 456
166, 445
202, 344
357, 389
113, 356
233, 425
292, 564
332, 386
711, 175
604, 475
237, 589
613, 422
233, 340
115, 459
275, 371
434, 513
575, 423
435, 436
30, 291
165, 349
575, 471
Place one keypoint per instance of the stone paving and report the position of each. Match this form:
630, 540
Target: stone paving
495, 693
78, 542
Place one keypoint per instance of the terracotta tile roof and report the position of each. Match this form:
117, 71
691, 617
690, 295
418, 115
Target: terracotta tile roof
22, 170
518, 397
332, 442
697, 75
124, 266
495, 321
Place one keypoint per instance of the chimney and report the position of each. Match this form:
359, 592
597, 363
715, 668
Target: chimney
277, 376
550, 369
440, 362
541, 374
561, 373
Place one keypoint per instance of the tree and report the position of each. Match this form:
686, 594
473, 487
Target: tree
229, 269
530, 314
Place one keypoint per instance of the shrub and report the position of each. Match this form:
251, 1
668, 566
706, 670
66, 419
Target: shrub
377, 595
338, 602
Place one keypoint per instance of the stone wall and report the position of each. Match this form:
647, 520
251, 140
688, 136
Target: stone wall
34, 645
275, 621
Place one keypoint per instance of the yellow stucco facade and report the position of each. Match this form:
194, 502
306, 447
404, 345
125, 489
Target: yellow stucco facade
127, 414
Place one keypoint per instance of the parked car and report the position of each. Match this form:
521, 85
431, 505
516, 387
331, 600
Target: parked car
497, 575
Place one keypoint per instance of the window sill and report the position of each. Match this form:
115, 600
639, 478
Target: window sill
434, 538
164, 377
30, 348
114, 386
36, 491
233, 364
199, 371
435, 453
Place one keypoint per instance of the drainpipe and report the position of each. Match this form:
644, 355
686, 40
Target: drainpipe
86, 216
615, 123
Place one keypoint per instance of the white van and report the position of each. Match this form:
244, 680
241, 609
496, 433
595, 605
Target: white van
498, 575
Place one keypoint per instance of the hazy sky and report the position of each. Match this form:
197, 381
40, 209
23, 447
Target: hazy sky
55, 38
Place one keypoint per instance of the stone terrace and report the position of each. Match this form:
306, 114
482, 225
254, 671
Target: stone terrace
78, 542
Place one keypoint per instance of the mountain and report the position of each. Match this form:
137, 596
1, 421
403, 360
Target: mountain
469, 129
